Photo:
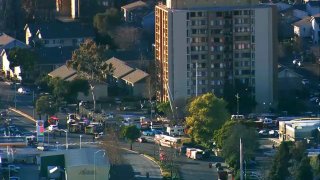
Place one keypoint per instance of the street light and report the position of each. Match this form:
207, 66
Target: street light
66, 131
94, 161
80, 141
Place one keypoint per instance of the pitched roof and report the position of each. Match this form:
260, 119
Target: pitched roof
54, 55
120, 67
314, 3
64, 73
304, 21
134, 5
59, 29
8, 42
135, 76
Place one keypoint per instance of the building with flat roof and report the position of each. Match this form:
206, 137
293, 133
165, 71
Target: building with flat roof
200, 46
79, 164
297, 129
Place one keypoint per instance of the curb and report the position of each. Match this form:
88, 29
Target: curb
22, 114
151, 159
146, 156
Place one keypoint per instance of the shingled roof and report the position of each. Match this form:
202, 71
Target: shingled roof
135, 76
54, 55
64, 73
8, 42
120, 67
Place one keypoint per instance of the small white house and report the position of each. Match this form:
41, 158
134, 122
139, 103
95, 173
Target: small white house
5, 63
303, 27
315, 23
175, 131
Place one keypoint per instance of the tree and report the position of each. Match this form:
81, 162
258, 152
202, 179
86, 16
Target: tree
207, 113
89, 62
106, 22
76, 86
132, 133
59, 89
279, 169
45, 105
164, 108
304, 171
127, 37
231, 143
25, 58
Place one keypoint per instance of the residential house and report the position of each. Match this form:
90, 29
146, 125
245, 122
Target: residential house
315, 23
68, 74
52, 58
137, 83
288, 80
313, 7
299, 11
132, 12
133, 80
303, 27
6, 43
58, 34
64, 73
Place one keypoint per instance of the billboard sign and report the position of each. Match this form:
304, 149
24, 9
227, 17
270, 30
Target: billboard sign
40, 130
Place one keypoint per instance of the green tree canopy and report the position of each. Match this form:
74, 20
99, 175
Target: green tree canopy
279, 169
89, 62
106, 22
25, 58
45, 105
130, 132
304, 170
164, 108
231, 143
207, 113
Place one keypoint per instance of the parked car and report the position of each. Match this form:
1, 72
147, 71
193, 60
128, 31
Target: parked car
263, 132
305, 81
42, 148
23, 90
142, 140
148, 133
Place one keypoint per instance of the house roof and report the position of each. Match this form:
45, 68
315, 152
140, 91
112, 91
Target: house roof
134, 5
120, 67
135, 76
8, 42
314, 3
54, 55
64, 73
302, 22
59, 29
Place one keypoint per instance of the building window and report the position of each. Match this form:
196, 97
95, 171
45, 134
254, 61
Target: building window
192, 14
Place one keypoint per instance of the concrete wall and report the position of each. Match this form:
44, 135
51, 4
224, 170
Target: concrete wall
178, 54
265, 55
85, 172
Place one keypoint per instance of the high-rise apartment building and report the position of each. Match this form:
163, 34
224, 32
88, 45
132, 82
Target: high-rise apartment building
201, 45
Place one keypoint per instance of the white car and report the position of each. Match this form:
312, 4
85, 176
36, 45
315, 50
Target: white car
22, 90
53, 127
305, 81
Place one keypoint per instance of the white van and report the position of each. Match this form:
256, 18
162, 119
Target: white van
237, 117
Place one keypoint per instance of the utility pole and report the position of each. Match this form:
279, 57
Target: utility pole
196, 79
238, 97
241, 161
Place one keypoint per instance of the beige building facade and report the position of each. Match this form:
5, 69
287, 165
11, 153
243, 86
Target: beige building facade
200, 46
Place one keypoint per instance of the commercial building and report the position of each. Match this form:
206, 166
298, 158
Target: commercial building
79, 164
200, 46
297, 129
